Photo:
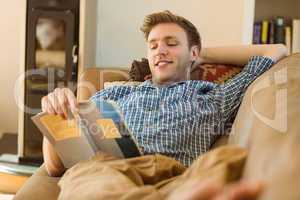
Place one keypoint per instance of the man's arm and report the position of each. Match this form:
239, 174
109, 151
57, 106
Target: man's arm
239, 55
53, 164
56, 102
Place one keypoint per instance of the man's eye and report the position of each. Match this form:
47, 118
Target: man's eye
172, 44
153, 47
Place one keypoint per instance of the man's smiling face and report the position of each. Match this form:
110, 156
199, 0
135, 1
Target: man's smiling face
169, 54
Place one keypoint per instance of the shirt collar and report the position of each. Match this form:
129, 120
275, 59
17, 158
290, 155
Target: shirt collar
149, 83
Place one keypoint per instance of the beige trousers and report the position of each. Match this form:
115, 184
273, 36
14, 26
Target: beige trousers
148, 177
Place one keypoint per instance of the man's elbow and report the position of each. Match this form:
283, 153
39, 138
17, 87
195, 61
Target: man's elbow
54, 171
276, 52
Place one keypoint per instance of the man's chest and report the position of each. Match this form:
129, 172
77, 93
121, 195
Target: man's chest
167, 110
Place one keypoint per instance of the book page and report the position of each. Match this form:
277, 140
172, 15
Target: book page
108, 128
60, 128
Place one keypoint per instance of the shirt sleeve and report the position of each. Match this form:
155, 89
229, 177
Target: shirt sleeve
229, 95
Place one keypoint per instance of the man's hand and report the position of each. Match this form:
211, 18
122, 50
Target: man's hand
58, 101
241, 191
213, 190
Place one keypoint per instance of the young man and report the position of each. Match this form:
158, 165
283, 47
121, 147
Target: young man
170, 114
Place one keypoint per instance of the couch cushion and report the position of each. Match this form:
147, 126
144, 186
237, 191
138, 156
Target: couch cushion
264, 111
39, 186
267, 124
93, 79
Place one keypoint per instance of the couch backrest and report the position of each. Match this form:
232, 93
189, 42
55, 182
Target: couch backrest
93, 79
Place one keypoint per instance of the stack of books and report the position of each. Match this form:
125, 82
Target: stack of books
278, 31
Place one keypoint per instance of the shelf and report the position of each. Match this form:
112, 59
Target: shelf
268, 9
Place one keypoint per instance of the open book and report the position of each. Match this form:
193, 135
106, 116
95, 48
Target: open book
88, 131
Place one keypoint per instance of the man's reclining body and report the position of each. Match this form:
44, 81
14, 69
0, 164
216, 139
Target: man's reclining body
171, 114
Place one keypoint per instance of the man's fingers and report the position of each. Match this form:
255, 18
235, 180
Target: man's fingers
58, 101
52, 98
247, 191
62, 100
206, 190
72, 101
241, 191
46, 106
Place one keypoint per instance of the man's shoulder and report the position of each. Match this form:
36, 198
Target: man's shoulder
115, 92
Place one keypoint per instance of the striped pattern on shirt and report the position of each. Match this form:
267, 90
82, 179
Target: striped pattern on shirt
184, 119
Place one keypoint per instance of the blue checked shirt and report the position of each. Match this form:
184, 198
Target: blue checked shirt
184, 119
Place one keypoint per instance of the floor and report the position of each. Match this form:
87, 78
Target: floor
9, 143
9, 184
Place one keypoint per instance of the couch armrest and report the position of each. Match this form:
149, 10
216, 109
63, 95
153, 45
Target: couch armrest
39, 186
92, 80
259, 110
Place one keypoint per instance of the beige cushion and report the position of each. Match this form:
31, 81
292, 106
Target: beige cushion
39, 186
268, 125
270, 106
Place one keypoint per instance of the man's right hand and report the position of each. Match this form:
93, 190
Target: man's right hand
58, 101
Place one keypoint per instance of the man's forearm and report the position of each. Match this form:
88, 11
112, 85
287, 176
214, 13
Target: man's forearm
239, 55
52, 162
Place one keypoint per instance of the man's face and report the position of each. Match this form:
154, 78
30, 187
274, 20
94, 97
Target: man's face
168, 53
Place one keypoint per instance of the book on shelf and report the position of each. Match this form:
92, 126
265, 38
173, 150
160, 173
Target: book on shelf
279, 35
264, 32
296, 36
93, 128
271, 33
257, 33
278, 31
288, 39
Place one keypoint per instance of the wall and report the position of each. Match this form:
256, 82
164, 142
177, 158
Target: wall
11, 18
119, 40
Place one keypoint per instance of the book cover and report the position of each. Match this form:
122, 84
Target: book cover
94, 128
271, 34
296, 36
288, 39
257, 33
279, 31
264, 32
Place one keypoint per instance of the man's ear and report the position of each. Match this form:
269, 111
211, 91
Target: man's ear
194, 53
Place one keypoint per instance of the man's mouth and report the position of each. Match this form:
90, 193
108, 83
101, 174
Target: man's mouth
162, 63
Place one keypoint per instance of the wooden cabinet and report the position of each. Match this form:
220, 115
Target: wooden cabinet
49, 60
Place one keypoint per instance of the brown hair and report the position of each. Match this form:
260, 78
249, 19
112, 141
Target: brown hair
167, 17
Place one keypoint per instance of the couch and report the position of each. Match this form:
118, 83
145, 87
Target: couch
267, 125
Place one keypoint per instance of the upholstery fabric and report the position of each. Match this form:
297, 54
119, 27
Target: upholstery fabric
216, 73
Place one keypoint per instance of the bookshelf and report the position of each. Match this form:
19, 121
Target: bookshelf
267, 9
268, 18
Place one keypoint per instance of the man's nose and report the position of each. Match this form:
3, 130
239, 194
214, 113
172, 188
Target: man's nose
162, 49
